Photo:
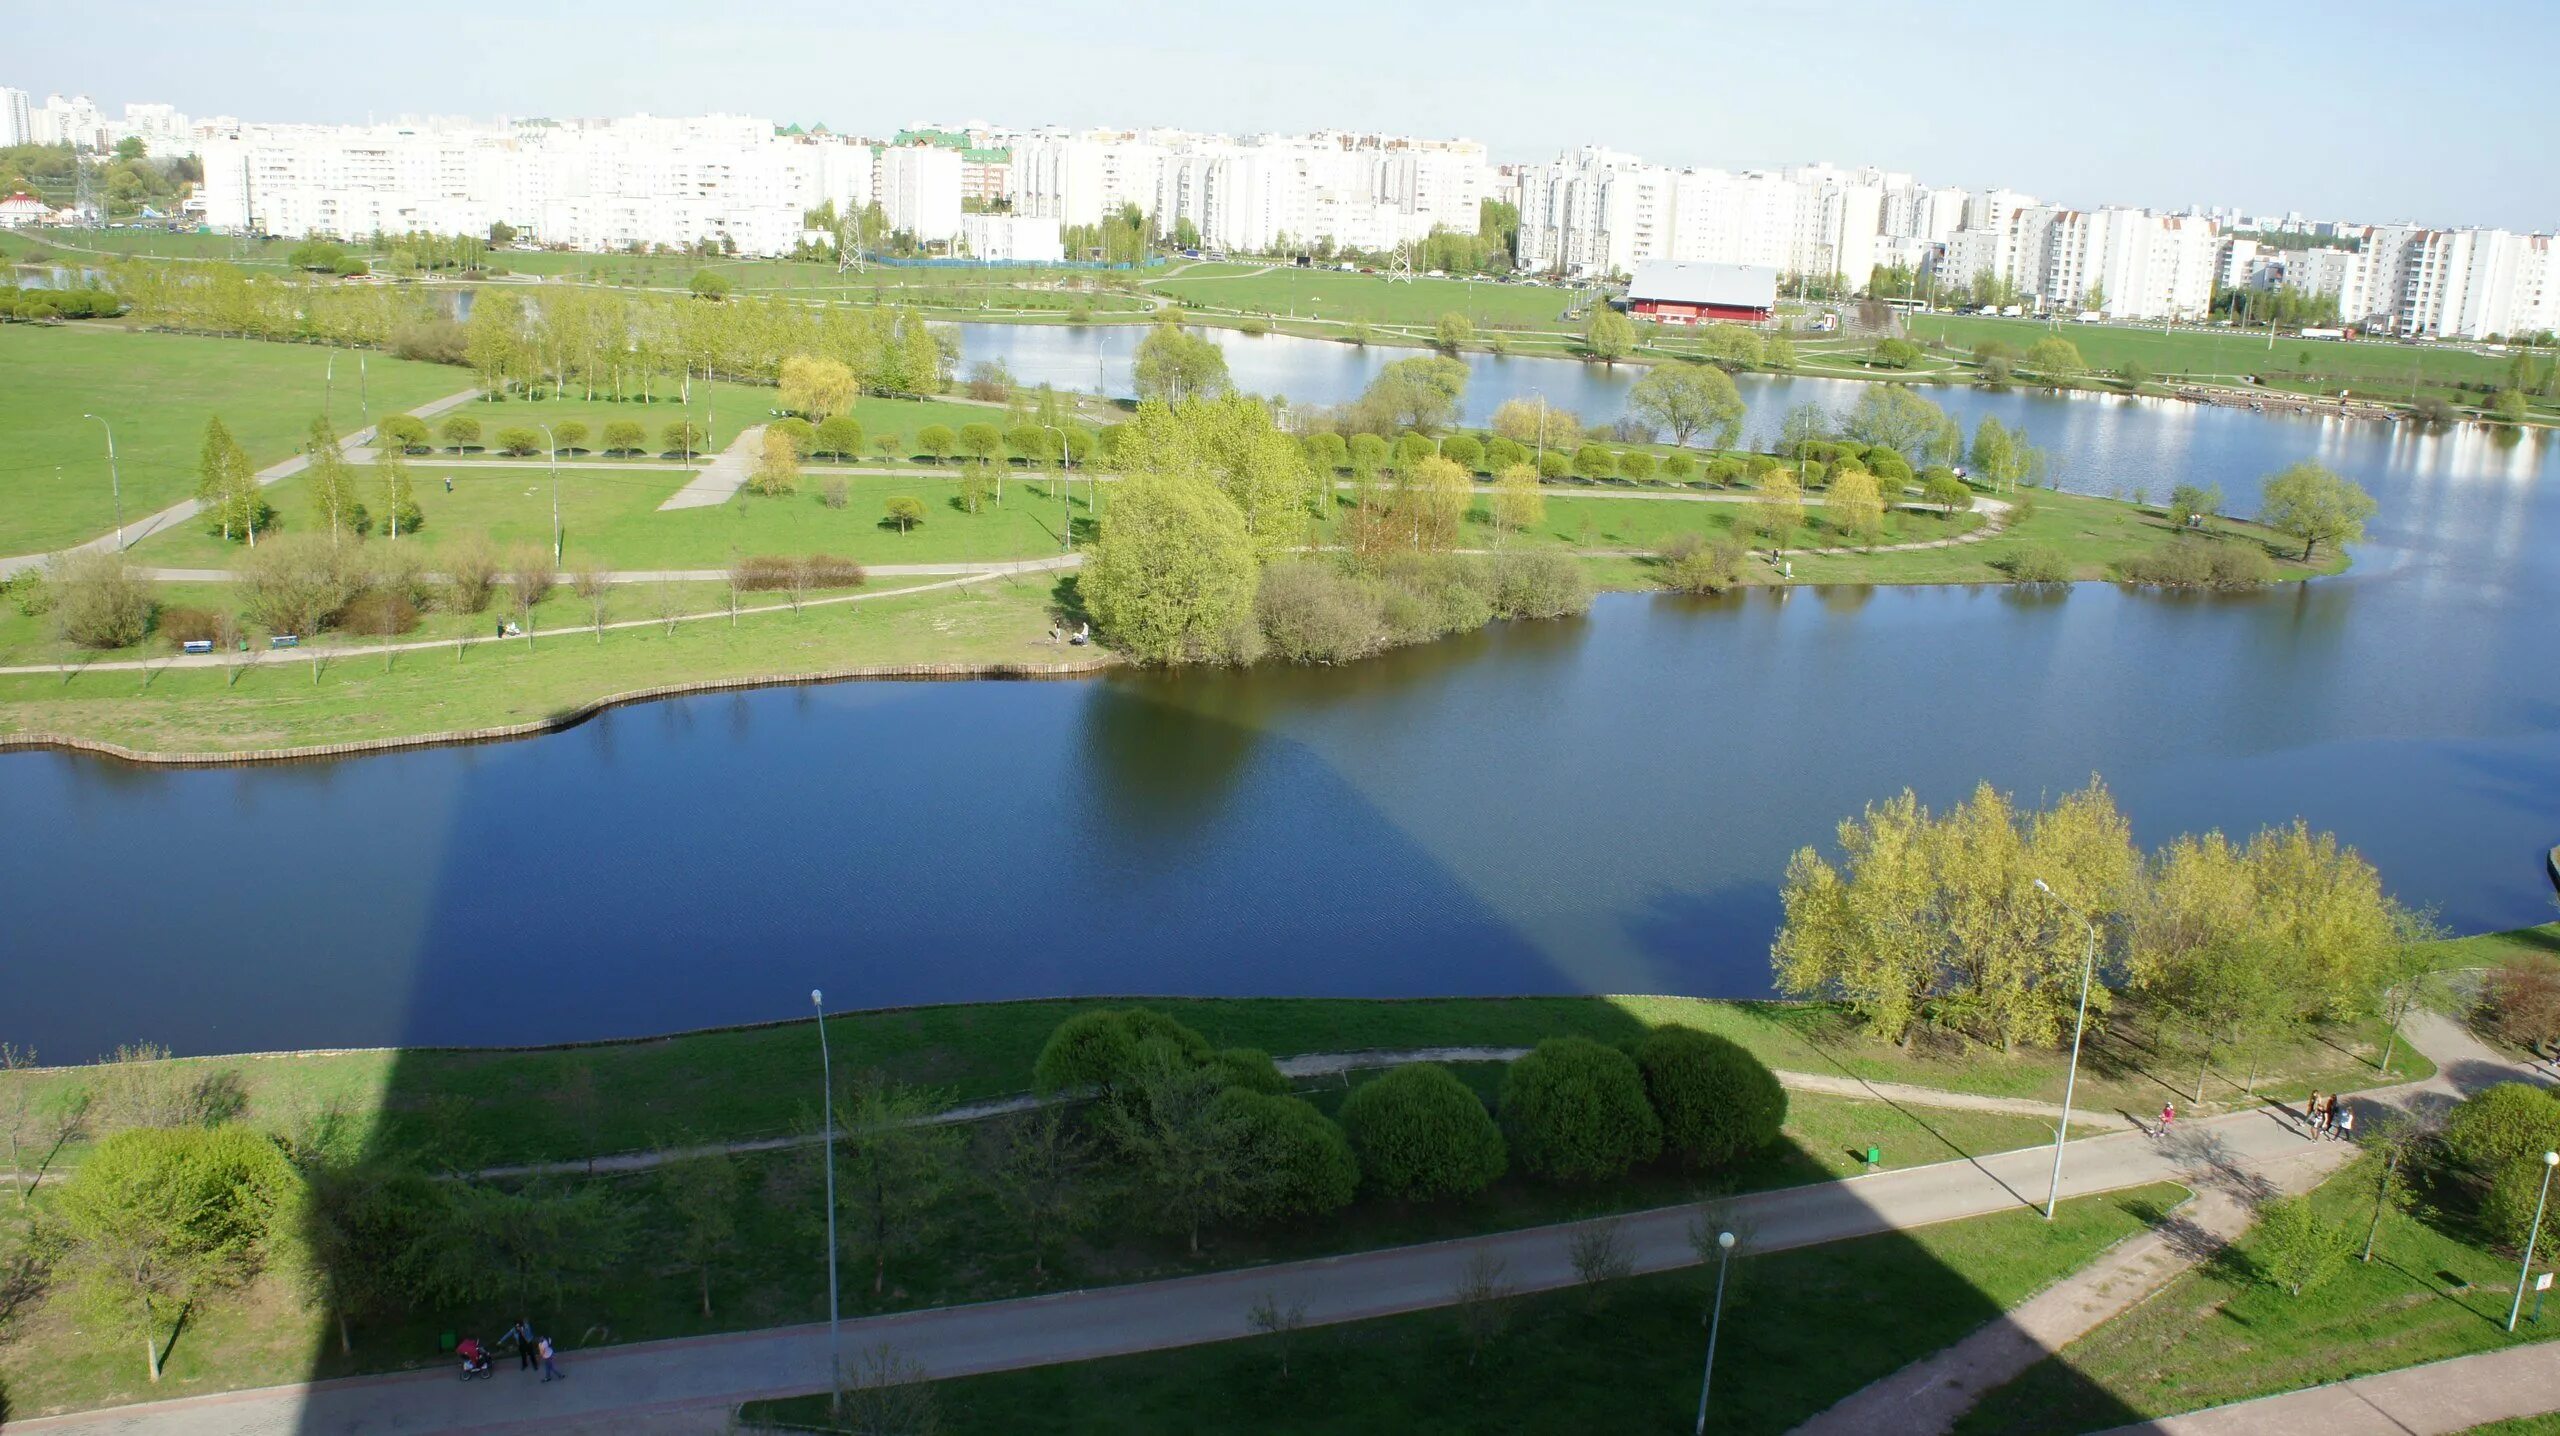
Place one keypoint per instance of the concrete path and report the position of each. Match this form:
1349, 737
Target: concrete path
699, 575
658, 1378
179, 513
2436, 1399
723, 476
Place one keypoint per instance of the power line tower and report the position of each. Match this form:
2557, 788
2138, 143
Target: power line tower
1402, 268
84, 193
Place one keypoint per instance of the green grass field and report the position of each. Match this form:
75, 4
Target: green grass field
1332, 295
2383, 367
2217, 1334
2093, 535
158, 390
1802, 1329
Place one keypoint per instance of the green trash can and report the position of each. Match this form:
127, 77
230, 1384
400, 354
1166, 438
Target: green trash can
1875, 1158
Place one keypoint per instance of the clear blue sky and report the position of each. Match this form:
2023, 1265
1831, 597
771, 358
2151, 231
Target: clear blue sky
2361, 110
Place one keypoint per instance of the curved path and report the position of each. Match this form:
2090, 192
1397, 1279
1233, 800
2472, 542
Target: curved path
707, 1375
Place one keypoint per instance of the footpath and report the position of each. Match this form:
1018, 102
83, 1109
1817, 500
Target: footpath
662, 1381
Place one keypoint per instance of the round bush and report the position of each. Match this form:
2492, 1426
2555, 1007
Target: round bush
1099, 1050
1301, 1164
1716, 1101
1249, 1069
2510, 1122
1575, 1112
1420, 1134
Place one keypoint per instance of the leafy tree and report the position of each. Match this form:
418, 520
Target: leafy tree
1609, 336
401, 514
1536, 426
1897, 354
525, 1247
2510, 407
1454, 332
1575, 1111
1694, 563
684, 436
1779, 511
1951, 494
1637, 464
1231, 443
406, 430
893, 1169
1595, 461
905, 511
1518, 503
2315, 505
710, 285
938, 441
627, 436
570, 433
1040, 1182
226, 483
2190, 502
520, 440
367, 1231
1173, 364
2055, 357
333, 484
1421, 1135
817, 387
841, 436
155, 1220
1855, 508
777, 469
2294, 1248
1718, 1103
1327, 453
295, 583
1895, 416
1688, 398
1181, 1144
1463, 451
1297, 1163
1420, 395
802, 434
2505, 1123
1102, 1051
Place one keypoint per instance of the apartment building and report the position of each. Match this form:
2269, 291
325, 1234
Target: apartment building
918, 188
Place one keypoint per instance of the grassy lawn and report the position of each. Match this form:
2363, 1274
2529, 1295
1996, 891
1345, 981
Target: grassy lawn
1333, 295
2380, 365
158, 390
2094, 535
276, 702
1802, 1330
2217, 1335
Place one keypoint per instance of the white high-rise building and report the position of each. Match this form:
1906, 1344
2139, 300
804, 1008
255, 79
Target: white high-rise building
74, 121
918, 188
2479, 283
17, 118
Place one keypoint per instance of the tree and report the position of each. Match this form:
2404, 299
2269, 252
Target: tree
709, 285
1694, 563
1535, 426
1173, 364
684, 436
155, 1220
2510, 407
938, 441
815, 386
1686, 398
1595, 461
1418, 395
894, 1166
2055, 357
1895, 416
1183, 1148
1518, 503
333, 484
777, 469
1897, 354
1779, 511
1464, 451
1295, 1162
400, 510
627, 436
461, 432
594, 583
886, 1394
520, 441
1231, 443
2192, 503
2508, 1122
1855, 508
1483, 1299
2315, 505
1420, 1135
1172, 575
1718, 1103
526, 1246
226, 484
1951, 494
366, 1232
904, 511
1040, 1182
99, 599
1609, 336
841, 435
570, 433
406, 430
494, 340
981, 442
2294, 1248
1575, 1111
1454, 332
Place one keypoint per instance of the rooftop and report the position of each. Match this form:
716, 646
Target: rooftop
1742, 286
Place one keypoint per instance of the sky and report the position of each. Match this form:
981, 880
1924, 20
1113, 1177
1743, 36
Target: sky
2346, 109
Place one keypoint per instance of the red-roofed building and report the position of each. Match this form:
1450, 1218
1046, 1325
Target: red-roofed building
22, 209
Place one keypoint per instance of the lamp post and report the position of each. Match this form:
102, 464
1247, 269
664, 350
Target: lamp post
115, 479
2071, 1083
1715, 1323
2525, 1271
1066, 498
553, 445
826, 1077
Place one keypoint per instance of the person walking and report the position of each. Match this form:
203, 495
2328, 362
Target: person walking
2329, 1119
522, 1335
550, 1369
2311, 1117
2343, 1126
2168, 1117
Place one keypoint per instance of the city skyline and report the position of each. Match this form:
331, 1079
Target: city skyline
2261, 124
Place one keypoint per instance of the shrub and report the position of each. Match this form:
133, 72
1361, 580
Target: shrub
835, 493
905, 511
625, 436
1575, 1111
1693, 563
802, 435
470, 574
378, 613
2294, 1249
1102, 1049
1538, 584
2201, 564
1679, 468
1500, 454
432, 341
1595, 461
571, 433
2507, 1206
1636, 464
1463, 450
1411, 450
99, 601
1327, 452
530, 574
2035, 563
1301, 1165
1250, 1068
1312, 612
406, 430
460, 431
1554, 465
1420, 1134
519, 441
2509, 1122
826, 570
1716, 1101
182, 625
296, 582
1427, 595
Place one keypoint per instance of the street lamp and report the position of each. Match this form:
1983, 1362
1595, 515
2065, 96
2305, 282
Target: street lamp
1066, 497
826, 1077
2071, 1083
1715, 1323
115, 479
2549, 1161
554, 446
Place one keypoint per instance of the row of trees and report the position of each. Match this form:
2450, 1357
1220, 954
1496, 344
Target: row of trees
1976, 922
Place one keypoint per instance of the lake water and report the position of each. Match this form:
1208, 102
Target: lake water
1597, 805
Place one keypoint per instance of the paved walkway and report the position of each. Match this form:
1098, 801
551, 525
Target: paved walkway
723, 476
698, 575
2436, 1399
179, 513
709, 1373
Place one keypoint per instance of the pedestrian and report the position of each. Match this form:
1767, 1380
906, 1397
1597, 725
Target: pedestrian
448, 483
2345, 1125
2329, 1118
2168, 1116
550, 1369
2312, 1117
522, 1335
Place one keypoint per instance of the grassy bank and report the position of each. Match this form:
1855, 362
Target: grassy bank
1802, 1330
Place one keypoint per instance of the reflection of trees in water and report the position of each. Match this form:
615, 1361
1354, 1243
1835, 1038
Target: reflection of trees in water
1152, 755
1844, 597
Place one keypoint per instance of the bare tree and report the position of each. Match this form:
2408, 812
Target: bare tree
1281, 1323
530, 575
887, 1394
1040, 1182
594, 583
667, 601
17, 1108
1600, 1256
1482, 1297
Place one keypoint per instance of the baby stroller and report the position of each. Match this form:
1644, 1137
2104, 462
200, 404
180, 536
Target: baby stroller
476, 1364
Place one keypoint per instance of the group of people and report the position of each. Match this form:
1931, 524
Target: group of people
2326, 1120
532, 1350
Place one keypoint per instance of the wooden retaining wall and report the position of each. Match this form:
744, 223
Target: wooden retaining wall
569, 718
